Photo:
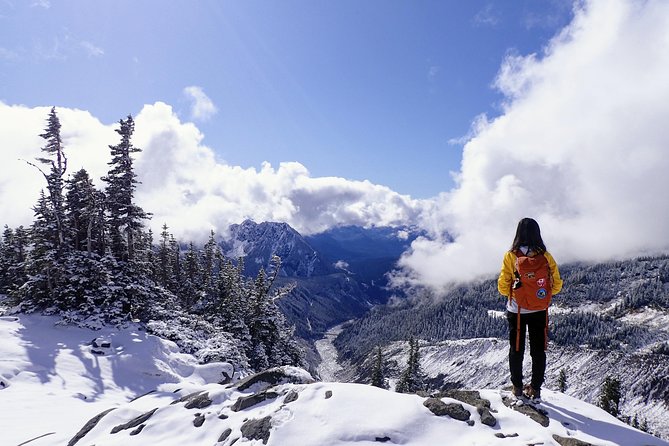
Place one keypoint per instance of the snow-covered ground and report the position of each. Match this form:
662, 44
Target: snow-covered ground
329, 368
51, 380
54, 384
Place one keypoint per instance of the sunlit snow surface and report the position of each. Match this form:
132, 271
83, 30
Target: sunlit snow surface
55, 384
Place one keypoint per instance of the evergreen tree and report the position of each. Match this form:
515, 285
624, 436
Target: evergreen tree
56, 159
412, 379
164, 259
562, 381
42, 265
273, 343
189, 290
209, 255
7, 260
378, 375
609, 396
134, 289
84, 214
125, 217
13, 256
175, 257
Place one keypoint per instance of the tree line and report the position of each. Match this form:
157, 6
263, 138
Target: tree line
88, 257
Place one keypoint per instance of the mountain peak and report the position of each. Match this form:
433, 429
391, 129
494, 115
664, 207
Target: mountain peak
259, 242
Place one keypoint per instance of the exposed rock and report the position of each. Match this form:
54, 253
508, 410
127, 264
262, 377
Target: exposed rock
223, 416
87, 427
486, 417
224, 436
564, 441
244, 402
195, 400
138, 430
257, 429
535, 413
470, 423
143, 394
272, 377
328, 394
471, 397
199, 420
134, 422
501, 435
453, 410
292, 396
382, 439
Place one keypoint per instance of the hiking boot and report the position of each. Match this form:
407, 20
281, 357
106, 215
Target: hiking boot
517, 391
532, 393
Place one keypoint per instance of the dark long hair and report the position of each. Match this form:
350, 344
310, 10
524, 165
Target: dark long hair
528, 234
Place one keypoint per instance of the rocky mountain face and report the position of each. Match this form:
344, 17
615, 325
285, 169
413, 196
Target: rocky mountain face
258, 242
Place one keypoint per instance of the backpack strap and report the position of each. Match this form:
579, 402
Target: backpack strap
546, 333
518, 328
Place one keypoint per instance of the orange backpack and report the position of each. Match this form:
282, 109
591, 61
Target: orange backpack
533, 282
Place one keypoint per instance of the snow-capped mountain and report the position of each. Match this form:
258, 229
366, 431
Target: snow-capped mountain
64, 385
258, 242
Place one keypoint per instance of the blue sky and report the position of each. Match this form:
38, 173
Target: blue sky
355, 89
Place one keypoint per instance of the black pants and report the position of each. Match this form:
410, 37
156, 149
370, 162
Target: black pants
535, 323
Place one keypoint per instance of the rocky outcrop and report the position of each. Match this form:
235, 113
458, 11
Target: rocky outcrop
244, 402
134, 422
273, 377
196, 400
564, 441
473, 398
535, 413
87, 427
453, 410
257, 429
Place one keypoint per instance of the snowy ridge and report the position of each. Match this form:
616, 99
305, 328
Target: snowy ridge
140, 390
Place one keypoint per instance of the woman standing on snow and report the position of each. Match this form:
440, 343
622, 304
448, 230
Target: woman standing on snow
529, 278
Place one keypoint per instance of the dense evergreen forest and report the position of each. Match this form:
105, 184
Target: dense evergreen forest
88, 257
613, 289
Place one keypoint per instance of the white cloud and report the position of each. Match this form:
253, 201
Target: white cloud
486, 16
92, 50
582, 146
183, 184
202, 107
46, 4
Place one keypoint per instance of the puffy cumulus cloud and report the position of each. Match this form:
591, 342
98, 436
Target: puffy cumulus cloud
183, 183
86, 141
582, 146
202, 107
